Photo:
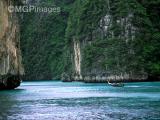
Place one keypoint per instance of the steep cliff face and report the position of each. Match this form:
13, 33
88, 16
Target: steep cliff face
92, 40
111, 40
10, 54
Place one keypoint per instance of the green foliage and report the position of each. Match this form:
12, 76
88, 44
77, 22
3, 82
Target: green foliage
114, 54
47, 39
84, 18
43, 43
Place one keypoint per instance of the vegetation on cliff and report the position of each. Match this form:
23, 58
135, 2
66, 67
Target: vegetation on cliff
129, 41
115, 37
43, 43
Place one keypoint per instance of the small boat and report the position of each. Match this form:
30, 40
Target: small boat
116, 84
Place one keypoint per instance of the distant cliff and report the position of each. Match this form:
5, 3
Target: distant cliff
92, 40
10, 55
113, 40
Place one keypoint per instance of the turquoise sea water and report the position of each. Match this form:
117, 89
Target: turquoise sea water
49, 100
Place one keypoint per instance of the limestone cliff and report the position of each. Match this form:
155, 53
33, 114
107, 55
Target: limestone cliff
108, 40
10, 54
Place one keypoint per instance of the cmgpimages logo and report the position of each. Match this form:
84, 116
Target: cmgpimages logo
31, 8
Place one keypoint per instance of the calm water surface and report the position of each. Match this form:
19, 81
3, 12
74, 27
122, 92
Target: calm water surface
48, 100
